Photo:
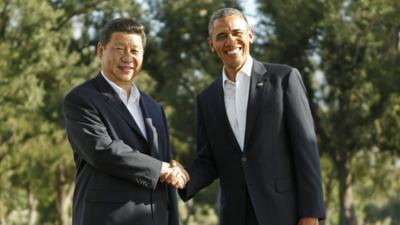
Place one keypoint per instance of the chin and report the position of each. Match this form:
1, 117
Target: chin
127, 76
235, 61
235, 64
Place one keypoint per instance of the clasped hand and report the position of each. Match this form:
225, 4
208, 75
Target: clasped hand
174, 174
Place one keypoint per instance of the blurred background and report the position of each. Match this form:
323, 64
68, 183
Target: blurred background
347, 51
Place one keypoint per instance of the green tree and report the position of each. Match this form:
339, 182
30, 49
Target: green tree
354, 45
355, 36
48, 46
41, 60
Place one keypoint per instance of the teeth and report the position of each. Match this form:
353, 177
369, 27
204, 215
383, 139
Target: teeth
233, 51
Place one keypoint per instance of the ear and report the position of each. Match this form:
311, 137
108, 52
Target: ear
210, 44
100, 50
251, 35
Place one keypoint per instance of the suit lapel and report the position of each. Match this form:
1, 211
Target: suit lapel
257, 85
116, 103
151, 130
221, 112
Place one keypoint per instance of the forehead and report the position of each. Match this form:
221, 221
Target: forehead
126, 38
229, 23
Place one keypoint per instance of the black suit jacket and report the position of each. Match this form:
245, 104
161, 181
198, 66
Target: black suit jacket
117, 168
279, 166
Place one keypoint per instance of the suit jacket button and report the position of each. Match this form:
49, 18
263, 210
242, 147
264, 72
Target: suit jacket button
244, 159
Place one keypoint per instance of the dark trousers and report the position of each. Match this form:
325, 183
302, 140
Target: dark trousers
251, 218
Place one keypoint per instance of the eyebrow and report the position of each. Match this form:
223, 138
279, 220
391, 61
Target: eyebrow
123, 45
238, 30
220, 34
233, 31
119, 44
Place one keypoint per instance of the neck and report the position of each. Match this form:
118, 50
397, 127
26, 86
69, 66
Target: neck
231, 71
231, 74
126, 87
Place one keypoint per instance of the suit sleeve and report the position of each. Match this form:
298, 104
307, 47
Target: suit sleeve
305, 151
90, 140
203, 170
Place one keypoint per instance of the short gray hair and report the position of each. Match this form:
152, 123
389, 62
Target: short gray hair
223, 13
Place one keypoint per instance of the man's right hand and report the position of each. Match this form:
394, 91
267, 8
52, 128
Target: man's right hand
174, 174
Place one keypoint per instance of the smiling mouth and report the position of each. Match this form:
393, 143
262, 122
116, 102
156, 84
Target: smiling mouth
125, 68
234, 51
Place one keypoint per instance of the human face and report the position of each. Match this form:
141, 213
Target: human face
121, 58
230, 39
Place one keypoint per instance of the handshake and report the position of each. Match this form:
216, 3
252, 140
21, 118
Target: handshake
174, 174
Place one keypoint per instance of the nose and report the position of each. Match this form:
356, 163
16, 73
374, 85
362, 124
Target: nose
230, 39
127, 57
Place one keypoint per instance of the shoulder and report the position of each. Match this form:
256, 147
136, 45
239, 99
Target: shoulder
275, 67
278, 69
211, 90
279, 72
81, 91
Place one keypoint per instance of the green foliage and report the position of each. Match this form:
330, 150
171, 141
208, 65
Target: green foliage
387, 127
353, 46
376, 186
47, 47
34, 78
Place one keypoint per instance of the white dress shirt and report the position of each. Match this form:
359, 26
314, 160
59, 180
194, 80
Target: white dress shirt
236, 96
131, 102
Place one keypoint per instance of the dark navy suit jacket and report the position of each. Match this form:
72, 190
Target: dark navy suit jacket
279, 167
117, 168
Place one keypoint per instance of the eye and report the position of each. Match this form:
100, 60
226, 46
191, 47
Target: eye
238, 33
220, 37
135, 51
120, 49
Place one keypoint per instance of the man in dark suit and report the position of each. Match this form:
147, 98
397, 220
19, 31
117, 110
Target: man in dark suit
255, 133
120, 140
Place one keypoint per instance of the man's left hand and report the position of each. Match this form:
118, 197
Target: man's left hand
308, 221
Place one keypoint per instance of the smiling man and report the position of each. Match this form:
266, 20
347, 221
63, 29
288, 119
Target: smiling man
255, 133
120, 140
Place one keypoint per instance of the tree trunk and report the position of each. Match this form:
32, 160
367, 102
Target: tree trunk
328, 187
33, 213
64, 195
347, 214
3, 214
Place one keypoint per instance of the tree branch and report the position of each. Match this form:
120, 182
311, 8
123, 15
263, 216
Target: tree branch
4, 19
68, 16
